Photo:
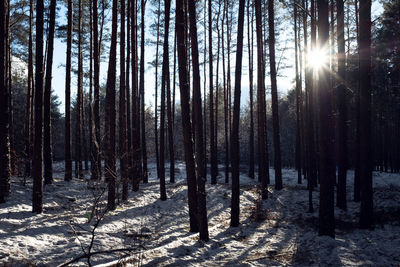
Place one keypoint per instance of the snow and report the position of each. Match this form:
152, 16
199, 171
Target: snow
288, 235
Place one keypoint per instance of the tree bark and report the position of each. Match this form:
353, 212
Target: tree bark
110, 170
47, 149
5, 183
365, 152
186, 122
250, 31
68, 141
327, 166
141, 89
235, 150
37, 190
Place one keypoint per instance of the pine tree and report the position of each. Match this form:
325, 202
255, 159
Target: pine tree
110, 169
274, 94
327, 166
235, 151
185, 109
366, 210
47, 138
37, 191
250, 31
141, 91
68, 141
5, 183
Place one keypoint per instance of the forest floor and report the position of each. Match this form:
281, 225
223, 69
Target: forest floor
159, 230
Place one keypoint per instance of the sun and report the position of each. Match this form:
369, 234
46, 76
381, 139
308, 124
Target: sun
317, 59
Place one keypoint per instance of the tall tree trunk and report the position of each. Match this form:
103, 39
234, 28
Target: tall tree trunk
123, 142
5, 183
170, 116
366, 210
96, 107
91, 122
29, 96
213, 151
136, 155
110, 170
201, 175
186, 122
357, 178
327, 166
78, 128
250, 50
68, 140
298, 88
141, 88
47, 138
263, 172
235, 210
37, 190
226, 123
127, 87
342, 108
164, 81
156, 94
274, 94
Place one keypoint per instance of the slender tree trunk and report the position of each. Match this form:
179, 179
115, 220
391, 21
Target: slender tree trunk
327, 166
201, 175
213, 151
68, 141
226, 125
263, 171
47, 149
357, 178
127, 87
78, 128
136, 156
186, 122
164, 82
298, 88
37, 190
170, 115
274, 94
123, 142
250, 50
217, 86
156, 94
110, 170
141, 85
5, 183
366, 196
96, 108
91, 122
235, 150
29, 96
342, 107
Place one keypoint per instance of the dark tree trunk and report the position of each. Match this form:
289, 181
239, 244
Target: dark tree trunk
298, 88
226, 126
68, 141
170, 117
357, 178
29, 96
37, 190
274, 94
141, 89
47, 149
342, 107
164, 81
327, 166
197, 105
5, 183
156, 96
79, 111
186, 122
235, 210
110, 169
213, 151
365, 152
96, 175
263, 172
250, 50
123, 142
127, 87
135, 150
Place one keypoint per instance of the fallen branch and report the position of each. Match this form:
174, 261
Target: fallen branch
84, 256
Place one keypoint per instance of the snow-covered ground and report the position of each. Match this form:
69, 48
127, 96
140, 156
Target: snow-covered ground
288, 235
